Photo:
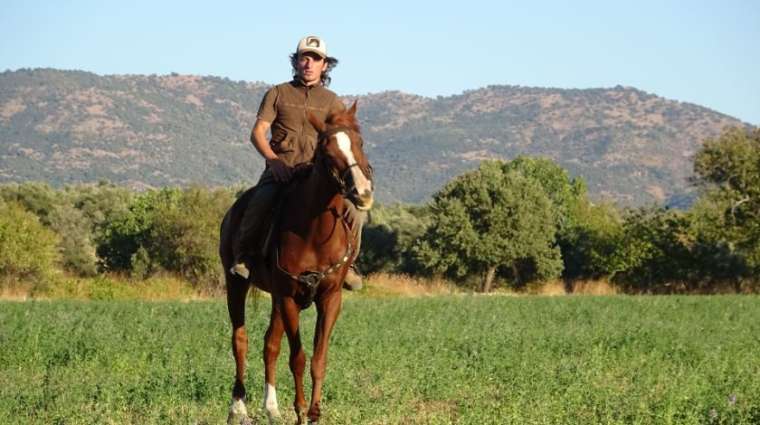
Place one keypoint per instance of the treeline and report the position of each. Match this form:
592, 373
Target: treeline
89, 230
526, 221
513, 223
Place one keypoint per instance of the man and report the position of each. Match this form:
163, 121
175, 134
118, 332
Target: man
284, 111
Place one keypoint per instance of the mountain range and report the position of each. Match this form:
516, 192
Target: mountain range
147, 131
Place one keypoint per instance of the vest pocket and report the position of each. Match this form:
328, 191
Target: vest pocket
281, 141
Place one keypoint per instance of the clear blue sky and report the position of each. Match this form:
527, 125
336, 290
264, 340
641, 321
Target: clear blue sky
695, 51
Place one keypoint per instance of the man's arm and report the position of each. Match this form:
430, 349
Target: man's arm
259, 139
280, 170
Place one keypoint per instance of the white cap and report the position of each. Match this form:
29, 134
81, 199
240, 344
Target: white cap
314, 44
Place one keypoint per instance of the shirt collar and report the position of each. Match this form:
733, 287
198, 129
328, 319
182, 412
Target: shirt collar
299, 83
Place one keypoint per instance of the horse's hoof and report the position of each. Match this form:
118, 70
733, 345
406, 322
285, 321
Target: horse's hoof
301, 418
274, 418
239, 420
238, 414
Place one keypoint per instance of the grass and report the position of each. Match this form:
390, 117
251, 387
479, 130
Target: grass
169, 286
400, 285
426, 360
104, 287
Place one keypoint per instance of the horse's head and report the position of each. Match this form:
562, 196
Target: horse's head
341, 145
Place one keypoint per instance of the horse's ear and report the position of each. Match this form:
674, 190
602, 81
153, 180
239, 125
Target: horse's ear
353, 108
316, 123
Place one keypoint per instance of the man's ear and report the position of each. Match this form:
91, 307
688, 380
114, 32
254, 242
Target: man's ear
316, 123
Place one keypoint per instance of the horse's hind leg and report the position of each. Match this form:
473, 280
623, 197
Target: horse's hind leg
237, 289
272, 342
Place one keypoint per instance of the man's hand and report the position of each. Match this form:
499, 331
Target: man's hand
280, 171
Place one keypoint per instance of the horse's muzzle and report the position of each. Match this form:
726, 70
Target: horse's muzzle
362, 201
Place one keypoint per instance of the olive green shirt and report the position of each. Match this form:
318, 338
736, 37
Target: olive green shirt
285, 106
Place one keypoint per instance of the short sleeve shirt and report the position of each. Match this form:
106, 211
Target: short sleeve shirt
286, 106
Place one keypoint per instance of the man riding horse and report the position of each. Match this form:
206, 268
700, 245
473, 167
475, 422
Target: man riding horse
284, 110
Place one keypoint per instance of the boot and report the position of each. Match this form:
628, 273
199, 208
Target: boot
241, 268
243, 259
353, 280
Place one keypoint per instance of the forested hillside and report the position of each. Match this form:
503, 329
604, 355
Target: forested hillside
150, 131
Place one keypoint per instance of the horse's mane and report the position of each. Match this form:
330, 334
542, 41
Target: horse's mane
343, 119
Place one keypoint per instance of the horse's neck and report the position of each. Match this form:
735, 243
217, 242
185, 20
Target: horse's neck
316, 197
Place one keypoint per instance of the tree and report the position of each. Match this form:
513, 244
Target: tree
37, 198
388, 237
652, 252
75, 213
590, 240
78, 217
28, 250
184, 236
564, 193
77, 247
582, 228
120, 238
490, 218
728, 211
170, 229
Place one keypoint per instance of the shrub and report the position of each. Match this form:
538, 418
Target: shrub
28, 250
170, 229
389, 236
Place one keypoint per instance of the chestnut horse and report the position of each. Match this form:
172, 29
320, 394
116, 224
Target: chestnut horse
309, 256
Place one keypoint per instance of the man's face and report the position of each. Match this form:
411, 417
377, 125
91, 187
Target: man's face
310, 67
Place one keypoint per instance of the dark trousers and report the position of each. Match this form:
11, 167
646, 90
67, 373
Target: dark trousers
252, 226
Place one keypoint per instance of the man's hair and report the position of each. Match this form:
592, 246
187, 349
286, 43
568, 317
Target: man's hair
331, 63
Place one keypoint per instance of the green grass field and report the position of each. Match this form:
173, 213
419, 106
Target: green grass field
434, 360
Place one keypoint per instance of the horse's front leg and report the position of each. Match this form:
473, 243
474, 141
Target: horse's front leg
328, 309
237, 290
291, 313
272, 343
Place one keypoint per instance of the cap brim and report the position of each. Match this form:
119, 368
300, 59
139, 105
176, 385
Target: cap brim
320, 53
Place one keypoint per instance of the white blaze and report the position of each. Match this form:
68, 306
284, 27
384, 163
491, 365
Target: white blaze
363, 185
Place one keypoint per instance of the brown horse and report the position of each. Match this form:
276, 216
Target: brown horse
310, 253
